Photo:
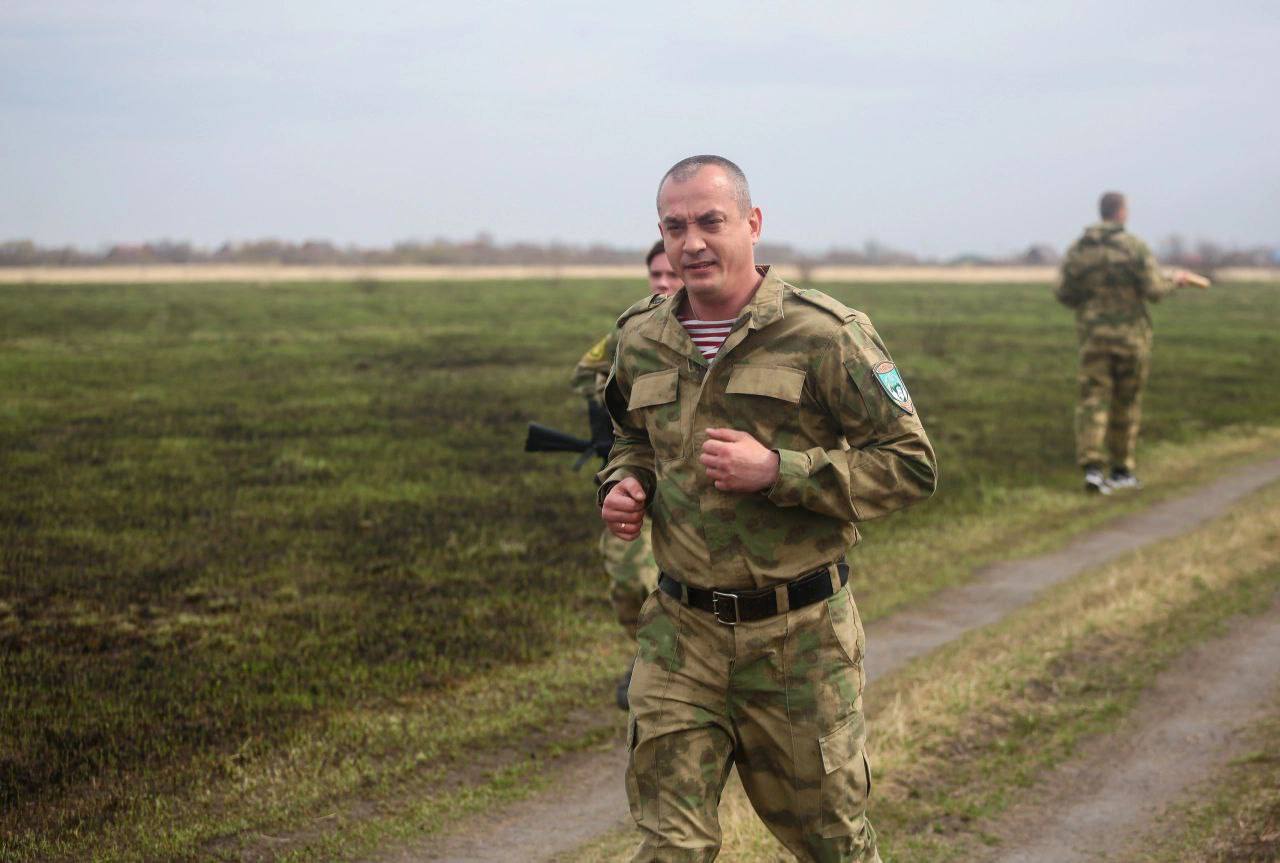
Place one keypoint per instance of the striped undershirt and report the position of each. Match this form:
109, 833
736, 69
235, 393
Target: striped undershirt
707, 335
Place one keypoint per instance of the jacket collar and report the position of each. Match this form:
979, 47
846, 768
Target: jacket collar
763, 309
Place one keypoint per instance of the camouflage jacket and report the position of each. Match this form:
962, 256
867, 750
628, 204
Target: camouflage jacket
592, 371
1108, 277
805, 376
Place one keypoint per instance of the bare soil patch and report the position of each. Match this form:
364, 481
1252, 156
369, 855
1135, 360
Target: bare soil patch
585, 800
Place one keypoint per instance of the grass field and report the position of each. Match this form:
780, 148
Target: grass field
265, 551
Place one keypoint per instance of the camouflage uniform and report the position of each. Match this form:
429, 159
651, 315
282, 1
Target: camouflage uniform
1108, 277
633, 574
778, 697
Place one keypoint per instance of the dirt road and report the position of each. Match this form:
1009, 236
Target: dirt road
587, 799
1100, 805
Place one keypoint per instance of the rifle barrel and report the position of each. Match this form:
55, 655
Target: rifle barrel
545, 439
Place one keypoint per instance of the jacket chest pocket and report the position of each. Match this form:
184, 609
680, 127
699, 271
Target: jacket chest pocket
765, 402
656, 397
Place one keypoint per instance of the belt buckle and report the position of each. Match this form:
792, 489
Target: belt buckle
716, 596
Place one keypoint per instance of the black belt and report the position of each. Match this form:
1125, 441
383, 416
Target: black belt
737, 606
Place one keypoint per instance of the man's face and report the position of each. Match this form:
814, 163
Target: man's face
663, 280
708, 239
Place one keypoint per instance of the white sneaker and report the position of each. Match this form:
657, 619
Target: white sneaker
1122, 479
1095, 482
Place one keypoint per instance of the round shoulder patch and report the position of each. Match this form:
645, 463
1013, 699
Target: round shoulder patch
887, 374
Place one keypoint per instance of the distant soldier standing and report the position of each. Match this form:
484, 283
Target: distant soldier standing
633, 574
1108, 277
755, 424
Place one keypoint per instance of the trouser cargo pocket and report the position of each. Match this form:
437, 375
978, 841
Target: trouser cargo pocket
846, 782
633, 788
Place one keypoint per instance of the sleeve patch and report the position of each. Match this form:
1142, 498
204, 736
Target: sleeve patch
891, 382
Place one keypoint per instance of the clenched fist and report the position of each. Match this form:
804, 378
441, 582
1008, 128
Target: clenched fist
623, 509
735, 461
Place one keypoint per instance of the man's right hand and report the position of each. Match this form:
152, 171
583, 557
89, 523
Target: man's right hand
623, 509
1182, 278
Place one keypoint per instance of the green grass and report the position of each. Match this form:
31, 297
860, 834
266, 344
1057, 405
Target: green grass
234, 517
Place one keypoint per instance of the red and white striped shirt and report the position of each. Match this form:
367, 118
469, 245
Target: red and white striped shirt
707, 335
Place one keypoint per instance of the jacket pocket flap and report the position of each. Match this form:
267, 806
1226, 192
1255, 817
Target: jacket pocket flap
842, 744
776, 382
655, 388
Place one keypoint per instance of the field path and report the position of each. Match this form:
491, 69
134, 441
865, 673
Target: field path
587, 799
1111, 795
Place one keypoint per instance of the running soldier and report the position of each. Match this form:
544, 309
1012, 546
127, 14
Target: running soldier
755, 425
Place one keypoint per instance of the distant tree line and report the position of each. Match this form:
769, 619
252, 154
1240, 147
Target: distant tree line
1207, 255
483, 250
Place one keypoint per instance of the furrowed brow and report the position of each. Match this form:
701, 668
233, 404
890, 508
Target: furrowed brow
675, 222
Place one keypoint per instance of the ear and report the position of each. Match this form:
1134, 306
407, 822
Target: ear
755, 219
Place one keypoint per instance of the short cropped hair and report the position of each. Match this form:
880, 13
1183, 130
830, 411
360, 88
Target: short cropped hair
657, 249
685, 169
1110, 205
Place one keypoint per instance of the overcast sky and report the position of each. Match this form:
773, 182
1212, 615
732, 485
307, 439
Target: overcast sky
935, 127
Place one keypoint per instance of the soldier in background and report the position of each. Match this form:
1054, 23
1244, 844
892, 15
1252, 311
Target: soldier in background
1108, 277
633, 574
755, 424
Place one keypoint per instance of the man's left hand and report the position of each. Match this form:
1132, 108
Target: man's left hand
735, 461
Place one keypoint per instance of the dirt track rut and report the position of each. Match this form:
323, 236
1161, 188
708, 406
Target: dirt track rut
587, 798
1102, 803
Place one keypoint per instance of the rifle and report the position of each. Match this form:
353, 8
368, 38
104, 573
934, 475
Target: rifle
545, 439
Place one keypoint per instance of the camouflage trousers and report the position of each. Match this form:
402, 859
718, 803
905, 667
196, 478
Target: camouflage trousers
633, 574
779, 698
1111, 379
